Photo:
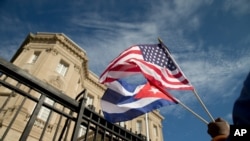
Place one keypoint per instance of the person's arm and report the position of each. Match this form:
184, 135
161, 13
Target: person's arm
241, 110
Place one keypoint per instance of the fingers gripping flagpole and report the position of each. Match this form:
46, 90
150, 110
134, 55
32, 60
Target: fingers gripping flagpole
194, 91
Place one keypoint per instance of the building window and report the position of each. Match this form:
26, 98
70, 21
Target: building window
44, 112
90, 100
34, 57
62, 68
155, 130
82, 131
122, 124
139, 126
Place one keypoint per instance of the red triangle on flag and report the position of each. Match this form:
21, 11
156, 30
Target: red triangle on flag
151, 91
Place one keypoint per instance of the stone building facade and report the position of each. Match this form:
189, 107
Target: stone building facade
57, 60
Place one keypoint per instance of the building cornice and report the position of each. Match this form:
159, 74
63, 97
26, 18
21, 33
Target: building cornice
157, 113
61, 39
94, 80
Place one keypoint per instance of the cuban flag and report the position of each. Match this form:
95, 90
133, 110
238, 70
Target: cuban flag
123, 101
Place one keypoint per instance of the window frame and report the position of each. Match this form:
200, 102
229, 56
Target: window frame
34, 57
138, 125
62, 67
44, 111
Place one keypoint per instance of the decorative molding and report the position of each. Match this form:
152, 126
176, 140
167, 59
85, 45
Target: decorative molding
96, 83
77, 68
56, 81
60, 39
52, 51
26, 49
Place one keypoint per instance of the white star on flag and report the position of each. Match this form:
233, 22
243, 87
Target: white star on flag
154, 90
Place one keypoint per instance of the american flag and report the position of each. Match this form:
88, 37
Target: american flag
153, 61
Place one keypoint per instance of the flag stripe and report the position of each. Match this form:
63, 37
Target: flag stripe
131, 113
118, 87
148, 71
110, 107
155, 73
120, 61
152, 69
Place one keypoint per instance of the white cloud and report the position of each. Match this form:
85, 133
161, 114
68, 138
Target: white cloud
178, 14
237, 7
9, 22
164, 19
8, 50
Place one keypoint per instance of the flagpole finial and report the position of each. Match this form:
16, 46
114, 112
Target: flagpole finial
160, 41
162, 44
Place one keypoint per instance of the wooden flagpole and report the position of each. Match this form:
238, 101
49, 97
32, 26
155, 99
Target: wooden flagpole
194, 91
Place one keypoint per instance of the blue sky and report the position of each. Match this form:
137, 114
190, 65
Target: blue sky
210, 40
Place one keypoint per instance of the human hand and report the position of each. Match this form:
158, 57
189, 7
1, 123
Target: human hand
219, 127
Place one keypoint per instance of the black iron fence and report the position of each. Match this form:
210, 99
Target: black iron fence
30, 109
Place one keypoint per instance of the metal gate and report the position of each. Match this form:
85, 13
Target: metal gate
68, 118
